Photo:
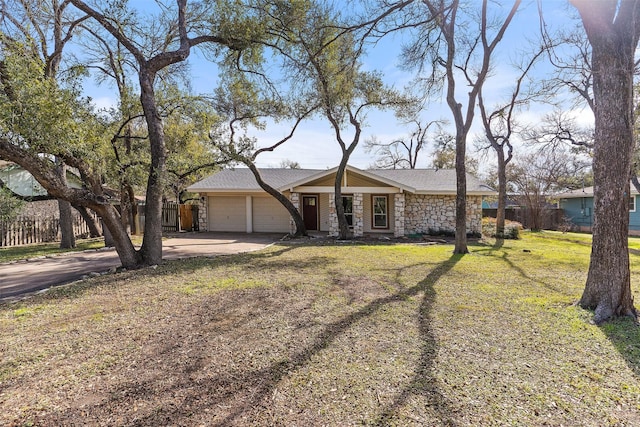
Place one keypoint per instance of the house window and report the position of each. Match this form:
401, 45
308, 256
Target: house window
380, 209
632, 204
347, 204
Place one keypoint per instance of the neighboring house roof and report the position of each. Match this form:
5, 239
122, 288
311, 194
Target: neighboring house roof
423, 181
585, 192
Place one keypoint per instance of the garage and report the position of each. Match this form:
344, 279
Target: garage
269, 216
227, 213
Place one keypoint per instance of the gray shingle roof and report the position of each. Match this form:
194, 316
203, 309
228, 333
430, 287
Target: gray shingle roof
242, 179
438, 181
441, 181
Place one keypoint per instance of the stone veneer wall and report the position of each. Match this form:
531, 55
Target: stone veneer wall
358, 215
295, 199
431, 212
203, 222
398, 206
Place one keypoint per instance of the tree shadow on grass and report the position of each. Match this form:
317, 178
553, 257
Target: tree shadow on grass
244, 390
513, 266
624, 334
423, 382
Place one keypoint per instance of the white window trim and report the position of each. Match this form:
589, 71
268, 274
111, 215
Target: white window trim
373, 212
633, 197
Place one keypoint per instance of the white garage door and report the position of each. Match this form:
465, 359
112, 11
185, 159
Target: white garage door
227, 213
269, 216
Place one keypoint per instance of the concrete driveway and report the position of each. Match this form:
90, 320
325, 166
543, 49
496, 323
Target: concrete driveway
29, 276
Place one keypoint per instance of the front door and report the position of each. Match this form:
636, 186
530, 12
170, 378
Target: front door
310, 212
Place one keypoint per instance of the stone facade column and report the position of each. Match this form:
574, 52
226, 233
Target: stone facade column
398, 214
358, 215
474, 214
203, 219
334, 228
295, 200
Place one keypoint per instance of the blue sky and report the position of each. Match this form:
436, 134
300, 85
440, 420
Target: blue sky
314, 145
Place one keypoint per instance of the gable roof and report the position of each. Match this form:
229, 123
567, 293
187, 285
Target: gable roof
421, 181
371, 174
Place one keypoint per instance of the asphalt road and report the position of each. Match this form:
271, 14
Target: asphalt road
28, 276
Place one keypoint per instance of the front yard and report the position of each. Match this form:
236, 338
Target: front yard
333, 334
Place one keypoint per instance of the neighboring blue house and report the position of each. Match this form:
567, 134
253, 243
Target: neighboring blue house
578, 208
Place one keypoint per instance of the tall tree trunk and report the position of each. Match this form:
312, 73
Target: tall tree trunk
612, 28
301, 230
343, 225
134, 209
151, 249
129, 257
502, 193
125, 208
68, 239
461, 196
89, 219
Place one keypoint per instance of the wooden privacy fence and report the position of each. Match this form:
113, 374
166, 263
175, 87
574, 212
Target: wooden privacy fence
547, 219
177, 217
26, 230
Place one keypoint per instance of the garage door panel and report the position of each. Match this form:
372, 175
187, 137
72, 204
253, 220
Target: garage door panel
269, 216
227, 213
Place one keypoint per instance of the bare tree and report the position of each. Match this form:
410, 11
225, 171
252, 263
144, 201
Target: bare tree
613, 30
499, 126
452, 53
289, 164
401, 153
535, 178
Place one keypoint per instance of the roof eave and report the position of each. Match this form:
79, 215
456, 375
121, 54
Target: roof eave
225, 190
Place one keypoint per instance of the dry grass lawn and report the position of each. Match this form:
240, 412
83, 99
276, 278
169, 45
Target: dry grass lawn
327, 334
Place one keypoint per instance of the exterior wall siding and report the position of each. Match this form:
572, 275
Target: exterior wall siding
580, 212
368, 214
425, 213
323, 200
356, 180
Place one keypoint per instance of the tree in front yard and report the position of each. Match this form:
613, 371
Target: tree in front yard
613, 30
458, 44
